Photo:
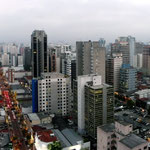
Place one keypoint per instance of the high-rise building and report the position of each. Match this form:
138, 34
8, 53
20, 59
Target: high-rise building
39, 52
11, 75
66, 64
20, 60
138, 61
27, 59
146, 60
5, 59
54, 93
128, 78
52, 60
113, 65
14, 60
99, 104
73, 71
126, 46
131, 41
91, 58
79, 91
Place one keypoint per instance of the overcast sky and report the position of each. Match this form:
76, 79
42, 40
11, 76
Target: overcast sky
71, 20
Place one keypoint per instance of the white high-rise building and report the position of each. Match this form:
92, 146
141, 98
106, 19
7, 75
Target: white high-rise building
138, 61
54, 93
20, 60
131, 41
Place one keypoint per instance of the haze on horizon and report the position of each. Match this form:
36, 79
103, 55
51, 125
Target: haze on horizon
73, 20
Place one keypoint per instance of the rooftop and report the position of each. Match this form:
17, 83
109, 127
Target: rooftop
42, 115
132, 141
46, 136
71, 136
124, 123
62, 139
36, 128
108, 127
33, 116
145, 91
95, 87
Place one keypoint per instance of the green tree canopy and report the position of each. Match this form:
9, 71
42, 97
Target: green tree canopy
54, 146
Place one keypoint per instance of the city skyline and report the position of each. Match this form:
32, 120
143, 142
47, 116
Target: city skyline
74, 20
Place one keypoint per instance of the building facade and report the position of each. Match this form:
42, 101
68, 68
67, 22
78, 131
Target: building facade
27, 59
146, 60
113, 65
119, 136
128, 79
99, 104
126, 46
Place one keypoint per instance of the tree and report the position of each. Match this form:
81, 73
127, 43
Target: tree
54, 146
130, 104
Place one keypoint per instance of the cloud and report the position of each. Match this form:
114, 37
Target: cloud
71, 20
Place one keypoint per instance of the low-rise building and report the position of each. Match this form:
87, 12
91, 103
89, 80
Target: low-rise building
119, 136
39, 118
44, 138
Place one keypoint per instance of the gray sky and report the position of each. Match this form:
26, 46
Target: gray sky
72, 20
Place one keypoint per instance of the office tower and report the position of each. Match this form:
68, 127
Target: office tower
91, 58
73, 72
146, 60
113, 65
39, 52
5, 59
27, 59
126, 46
128, 78
54, 93
99, 104
79, 99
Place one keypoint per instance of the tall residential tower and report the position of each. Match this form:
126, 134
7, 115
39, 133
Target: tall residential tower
91, 58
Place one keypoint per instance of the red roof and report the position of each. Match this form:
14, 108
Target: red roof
45, 136
4, 130
143, 99
37, 128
